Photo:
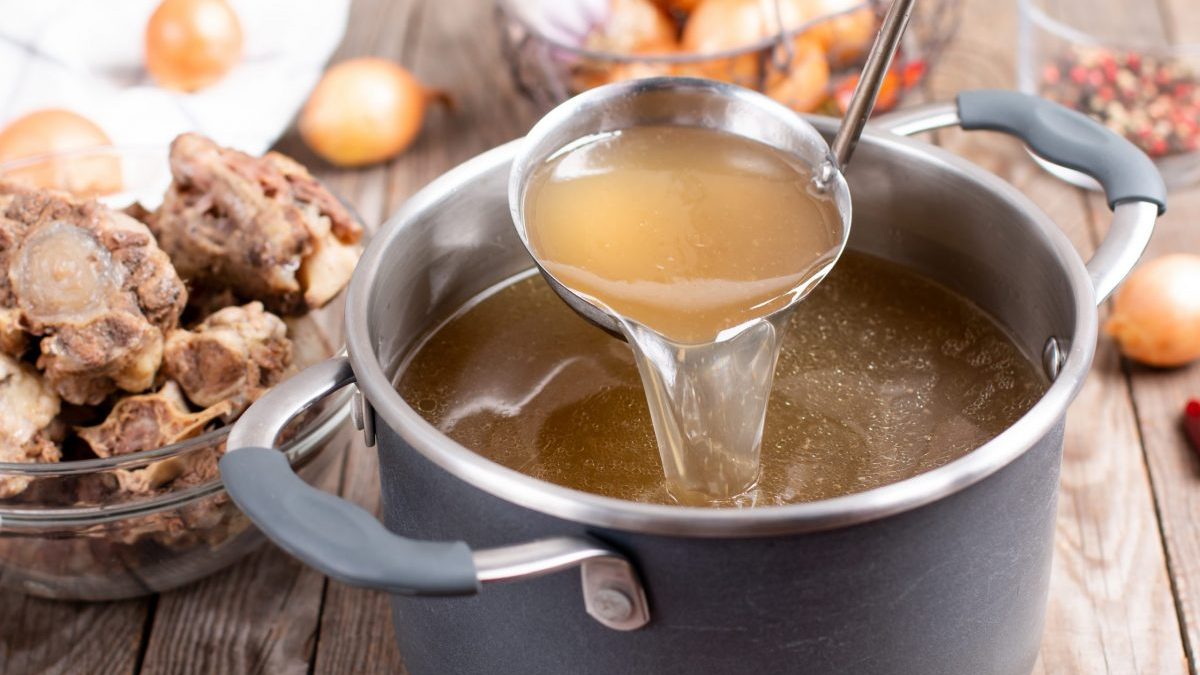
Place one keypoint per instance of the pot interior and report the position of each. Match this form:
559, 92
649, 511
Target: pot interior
913, 204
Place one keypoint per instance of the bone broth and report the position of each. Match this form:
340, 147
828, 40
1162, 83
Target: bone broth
686, 231
695, 239
883, 375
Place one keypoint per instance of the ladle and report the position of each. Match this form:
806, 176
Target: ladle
708, 399
705, 103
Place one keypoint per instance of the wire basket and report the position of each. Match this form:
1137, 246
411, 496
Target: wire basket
812, 66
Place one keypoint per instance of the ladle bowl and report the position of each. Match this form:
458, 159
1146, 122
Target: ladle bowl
669, 101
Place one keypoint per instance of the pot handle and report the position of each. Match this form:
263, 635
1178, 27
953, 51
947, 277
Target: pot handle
347, 543
1132, 184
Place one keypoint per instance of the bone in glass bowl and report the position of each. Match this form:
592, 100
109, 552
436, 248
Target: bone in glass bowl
63, 536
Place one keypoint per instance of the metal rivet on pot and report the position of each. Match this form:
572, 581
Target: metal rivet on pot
612, 605
364, 417
1052, 358
356, 410
613, 595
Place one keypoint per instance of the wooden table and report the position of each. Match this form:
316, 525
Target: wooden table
1124, 589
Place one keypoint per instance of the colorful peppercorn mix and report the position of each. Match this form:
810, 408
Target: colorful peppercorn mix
1154, 102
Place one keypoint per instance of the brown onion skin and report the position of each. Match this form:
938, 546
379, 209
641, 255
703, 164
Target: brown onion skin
191, 44
1156, 314
806, 85
52, 130
364, 111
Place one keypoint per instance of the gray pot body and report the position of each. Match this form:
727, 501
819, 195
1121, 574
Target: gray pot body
956, 587
943, 572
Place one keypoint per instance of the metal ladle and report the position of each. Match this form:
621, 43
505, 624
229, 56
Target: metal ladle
879, 59
709, 104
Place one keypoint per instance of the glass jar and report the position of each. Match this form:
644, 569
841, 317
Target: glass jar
1104, 65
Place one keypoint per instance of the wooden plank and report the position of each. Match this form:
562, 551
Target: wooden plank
1111, 605
449, 48
44, 636
355, 632
1160, 395
258, 616
265, 614
459, 51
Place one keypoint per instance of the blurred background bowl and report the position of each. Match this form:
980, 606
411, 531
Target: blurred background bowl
72, 533
1109, 69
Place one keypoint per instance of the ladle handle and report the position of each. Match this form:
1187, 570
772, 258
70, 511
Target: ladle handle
1132, 185
349, 544
862, 102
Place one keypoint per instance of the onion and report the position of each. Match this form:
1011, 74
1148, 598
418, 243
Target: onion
191, 44
723, 25
886, 99
364, 111
1156, 315
846, 37
634, 70
806, 84
678, 6
49, 131
633, 27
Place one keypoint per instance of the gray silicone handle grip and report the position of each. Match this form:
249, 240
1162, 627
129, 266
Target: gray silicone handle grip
337, 537
1068, 138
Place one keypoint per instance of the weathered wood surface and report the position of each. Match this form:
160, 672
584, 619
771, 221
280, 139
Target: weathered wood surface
1159, 396
1111, 607
1125, 589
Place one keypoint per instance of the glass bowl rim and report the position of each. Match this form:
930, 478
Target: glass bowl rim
1080, 36
33, 518
147, 150
507, 8
339, 403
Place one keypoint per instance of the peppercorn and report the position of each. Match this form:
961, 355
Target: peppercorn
1191, 423
1152, 101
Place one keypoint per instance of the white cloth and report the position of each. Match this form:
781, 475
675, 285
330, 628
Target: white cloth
86, 56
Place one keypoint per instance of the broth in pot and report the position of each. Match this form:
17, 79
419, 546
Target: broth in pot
883, 375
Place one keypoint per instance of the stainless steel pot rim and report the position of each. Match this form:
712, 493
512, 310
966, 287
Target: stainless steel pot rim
607, 512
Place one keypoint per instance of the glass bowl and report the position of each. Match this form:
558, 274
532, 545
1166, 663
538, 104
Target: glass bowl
1100, 64
551, 57
71, 532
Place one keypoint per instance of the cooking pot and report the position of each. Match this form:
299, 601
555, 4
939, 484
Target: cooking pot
945, 572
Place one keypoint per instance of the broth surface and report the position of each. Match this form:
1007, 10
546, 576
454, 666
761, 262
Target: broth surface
883, 375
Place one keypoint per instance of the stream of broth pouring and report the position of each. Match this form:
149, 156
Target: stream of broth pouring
698, 241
